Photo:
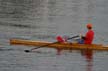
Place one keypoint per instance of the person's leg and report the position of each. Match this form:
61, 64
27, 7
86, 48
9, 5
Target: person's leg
80, 41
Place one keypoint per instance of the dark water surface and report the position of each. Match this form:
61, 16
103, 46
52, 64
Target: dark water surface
43, 20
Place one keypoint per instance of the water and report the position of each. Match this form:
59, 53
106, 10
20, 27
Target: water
43, 20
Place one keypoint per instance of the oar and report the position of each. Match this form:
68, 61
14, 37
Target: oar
49, 44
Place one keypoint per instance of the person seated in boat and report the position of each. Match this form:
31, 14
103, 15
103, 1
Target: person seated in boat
89, 36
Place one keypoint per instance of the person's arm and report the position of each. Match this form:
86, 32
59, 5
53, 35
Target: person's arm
82, 37
87, 35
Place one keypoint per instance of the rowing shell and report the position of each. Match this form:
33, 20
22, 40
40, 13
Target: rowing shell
63, 46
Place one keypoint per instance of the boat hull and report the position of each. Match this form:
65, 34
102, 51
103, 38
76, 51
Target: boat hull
63, 46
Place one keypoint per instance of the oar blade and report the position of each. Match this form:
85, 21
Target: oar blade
26, 51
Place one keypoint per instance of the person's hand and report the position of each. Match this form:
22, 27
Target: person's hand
80, 36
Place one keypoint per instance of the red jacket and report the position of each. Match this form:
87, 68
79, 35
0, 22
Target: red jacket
89, 37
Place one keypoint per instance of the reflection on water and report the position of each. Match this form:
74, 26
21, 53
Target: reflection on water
88, 55
89, 66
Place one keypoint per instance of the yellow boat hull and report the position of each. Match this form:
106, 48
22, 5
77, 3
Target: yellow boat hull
63, 46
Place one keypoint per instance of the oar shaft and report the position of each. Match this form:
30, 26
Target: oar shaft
50, 44
73, 37
54, 42
43, 46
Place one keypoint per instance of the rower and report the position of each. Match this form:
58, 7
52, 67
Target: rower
88, 38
